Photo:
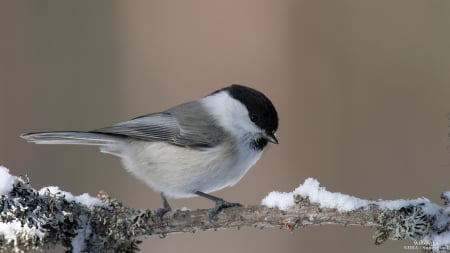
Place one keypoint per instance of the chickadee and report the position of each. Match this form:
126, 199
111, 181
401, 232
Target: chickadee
188, 150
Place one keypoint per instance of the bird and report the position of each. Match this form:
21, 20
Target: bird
188, 150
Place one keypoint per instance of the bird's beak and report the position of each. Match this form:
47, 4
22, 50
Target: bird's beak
271, 137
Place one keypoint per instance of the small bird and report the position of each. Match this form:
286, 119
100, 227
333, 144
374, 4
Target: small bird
188, 150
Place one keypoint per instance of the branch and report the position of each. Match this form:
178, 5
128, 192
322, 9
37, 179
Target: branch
40, 220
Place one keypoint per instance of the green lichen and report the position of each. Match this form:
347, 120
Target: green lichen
409, 222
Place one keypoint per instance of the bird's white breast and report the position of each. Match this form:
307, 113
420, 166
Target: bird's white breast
179, 171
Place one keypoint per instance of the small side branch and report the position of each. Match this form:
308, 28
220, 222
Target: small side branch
33, 219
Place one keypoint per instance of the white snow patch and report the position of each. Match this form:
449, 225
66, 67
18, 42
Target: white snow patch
316, 194
6, 181
280, 200
84, 198
88, 200
10, 230
397, 204
79, 241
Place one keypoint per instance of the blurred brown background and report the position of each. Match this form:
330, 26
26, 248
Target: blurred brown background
362, 89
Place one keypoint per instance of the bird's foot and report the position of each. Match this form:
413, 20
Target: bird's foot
165, 209
220, 205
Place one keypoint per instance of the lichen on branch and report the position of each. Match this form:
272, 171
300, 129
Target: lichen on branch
32, 219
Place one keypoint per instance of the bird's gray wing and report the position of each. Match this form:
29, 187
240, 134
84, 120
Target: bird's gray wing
185, 125
152, 127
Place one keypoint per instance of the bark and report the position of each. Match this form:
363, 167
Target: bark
51, 219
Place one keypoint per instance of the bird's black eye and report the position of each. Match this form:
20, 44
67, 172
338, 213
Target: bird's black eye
253, 117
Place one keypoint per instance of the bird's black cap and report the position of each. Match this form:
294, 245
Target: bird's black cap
260, 108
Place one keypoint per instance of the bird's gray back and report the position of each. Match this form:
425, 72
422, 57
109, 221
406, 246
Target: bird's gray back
187, 124
197, 125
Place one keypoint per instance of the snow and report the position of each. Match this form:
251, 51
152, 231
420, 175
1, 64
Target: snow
312, 190
6, 181
84, 198
79, 241
88, 200
427, 206
397, 204
342, 202
280, 200
10, 230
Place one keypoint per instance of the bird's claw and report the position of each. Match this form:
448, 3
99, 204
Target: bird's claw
220, 205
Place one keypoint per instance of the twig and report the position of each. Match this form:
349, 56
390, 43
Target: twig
41, 220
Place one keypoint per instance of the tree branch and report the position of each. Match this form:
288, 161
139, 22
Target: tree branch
42, 219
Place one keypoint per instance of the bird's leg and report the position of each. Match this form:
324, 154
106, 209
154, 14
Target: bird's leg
220, 204
165, 209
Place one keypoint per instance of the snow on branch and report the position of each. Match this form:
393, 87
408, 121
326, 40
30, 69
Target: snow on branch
32, 219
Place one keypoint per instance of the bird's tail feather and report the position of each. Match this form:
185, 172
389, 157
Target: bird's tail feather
70, 137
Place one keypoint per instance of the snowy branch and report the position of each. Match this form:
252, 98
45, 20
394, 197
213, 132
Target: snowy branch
32, 219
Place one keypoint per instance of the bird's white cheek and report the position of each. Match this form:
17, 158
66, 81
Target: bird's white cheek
230, 114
